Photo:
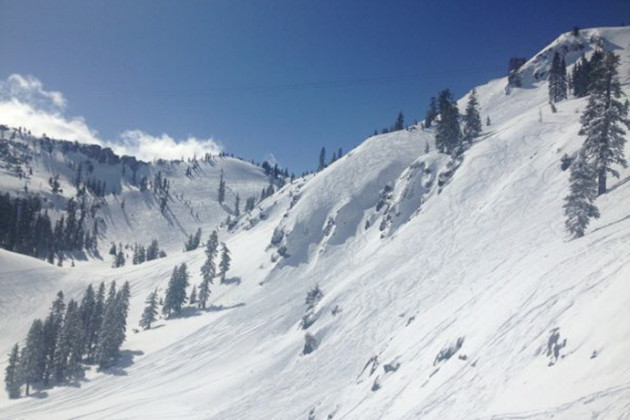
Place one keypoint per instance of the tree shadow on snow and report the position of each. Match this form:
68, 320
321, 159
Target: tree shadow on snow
612, 223
217, 308
234, 280
124, 361
189, 311
38, 394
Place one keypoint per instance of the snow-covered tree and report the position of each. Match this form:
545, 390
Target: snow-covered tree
432, 113
51, 331
119, 261
33, 357
153, 250
12, 377
208, 269
176, 291
221, 188
224, 265
578, 206
106, 350
557, 79
67, 363
193, 295
448, 136
95, 322
472, 120
193, 241
149, 315
603, 119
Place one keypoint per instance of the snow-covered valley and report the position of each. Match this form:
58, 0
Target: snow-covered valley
448, 291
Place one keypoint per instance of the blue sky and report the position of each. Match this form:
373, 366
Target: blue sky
272, 77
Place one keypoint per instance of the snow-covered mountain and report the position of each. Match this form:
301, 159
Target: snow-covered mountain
450, 290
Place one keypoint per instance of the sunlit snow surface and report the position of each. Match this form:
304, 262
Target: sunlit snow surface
483, 257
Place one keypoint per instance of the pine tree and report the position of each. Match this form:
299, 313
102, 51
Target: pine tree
432, 113
67, 363
448, 136
603, 119
579, 207
149, 315
224, 265
12, 379
322, 159
33, 356
472, 120
557, 79
193, 241
153, 250
176, 291
51, 331
221, 188
121, 312
106, 351
208, 269
95, 323
119, 261
400, 122
193, 295
237, 204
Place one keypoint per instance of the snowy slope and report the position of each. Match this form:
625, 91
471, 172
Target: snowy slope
129, 215
442, 293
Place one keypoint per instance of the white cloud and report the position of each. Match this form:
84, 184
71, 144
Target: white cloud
30, 90
19, 114
25, 103
147, 147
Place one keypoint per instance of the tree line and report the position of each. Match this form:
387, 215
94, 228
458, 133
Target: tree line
602, 124
26, 228
73, 335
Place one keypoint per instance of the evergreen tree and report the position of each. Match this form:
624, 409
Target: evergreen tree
193, 295
153, 250
67, 362
224, 265
119, 261
149, 315
193, 241
472, 120
579, 207
121, 312
95, 323
557, 79
12, 379
208, 269
106, 351
579, 77
176, 291
400, 122
51, 331
86, 311
448, 136
237, 203
603, 119
432, 113
221, 188
322, 159
33, 357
